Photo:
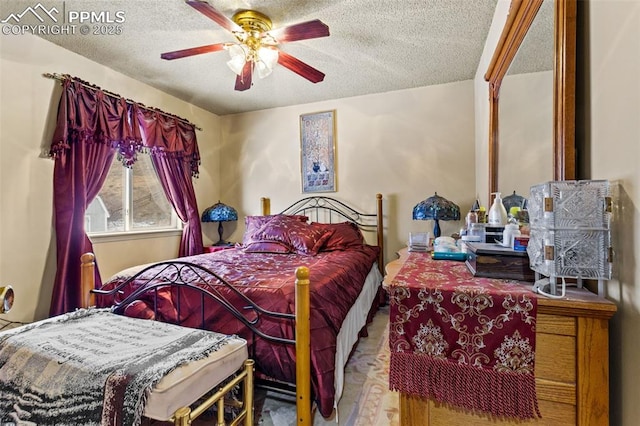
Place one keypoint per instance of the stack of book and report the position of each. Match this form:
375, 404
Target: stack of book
420, 241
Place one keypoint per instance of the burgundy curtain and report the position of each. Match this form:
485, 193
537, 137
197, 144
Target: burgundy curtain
92, 126
170, 139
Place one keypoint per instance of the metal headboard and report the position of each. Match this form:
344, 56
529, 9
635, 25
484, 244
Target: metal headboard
330, 210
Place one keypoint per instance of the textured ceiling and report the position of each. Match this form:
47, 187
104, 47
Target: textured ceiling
375, 46
536, 52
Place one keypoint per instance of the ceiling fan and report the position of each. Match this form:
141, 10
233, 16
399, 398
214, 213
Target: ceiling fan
256, 48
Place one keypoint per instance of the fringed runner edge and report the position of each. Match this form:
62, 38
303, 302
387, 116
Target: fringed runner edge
501, 394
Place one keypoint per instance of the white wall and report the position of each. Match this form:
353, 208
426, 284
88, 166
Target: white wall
481, 102
406, 145
525, 155
609, 130
28, 102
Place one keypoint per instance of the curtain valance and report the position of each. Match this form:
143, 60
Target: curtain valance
87, 114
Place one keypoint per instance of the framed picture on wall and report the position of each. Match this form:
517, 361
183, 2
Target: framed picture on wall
318, 151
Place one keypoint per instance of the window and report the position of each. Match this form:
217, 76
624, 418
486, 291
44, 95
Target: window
131, 200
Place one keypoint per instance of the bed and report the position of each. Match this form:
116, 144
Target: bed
325, 236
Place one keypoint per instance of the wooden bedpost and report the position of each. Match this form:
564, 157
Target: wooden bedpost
303, 347
87, 278
380, 231
265, 206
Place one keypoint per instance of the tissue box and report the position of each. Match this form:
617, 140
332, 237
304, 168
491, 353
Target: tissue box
494, 261
520, 243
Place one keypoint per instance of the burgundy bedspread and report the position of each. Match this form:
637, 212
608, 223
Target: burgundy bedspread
336, 279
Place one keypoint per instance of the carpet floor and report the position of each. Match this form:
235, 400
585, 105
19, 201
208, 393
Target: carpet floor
366, 399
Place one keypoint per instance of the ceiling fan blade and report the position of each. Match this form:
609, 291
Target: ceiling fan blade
299, 67
215, 15
177, 54
302, 31
243, 81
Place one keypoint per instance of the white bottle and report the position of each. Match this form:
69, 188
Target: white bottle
511, 230
497, 212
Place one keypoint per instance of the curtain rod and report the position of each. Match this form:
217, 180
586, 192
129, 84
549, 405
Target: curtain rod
62, 77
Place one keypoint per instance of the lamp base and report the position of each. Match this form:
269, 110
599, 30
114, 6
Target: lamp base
221, 242
436, 229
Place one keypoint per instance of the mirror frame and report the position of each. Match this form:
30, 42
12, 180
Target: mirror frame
521, 15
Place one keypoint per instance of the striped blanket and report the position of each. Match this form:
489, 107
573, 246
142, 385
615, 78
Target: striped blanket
91, 367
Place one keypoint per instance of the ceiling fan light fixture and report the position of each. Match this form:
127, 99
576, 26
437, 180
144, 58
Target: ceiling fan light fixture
266, 60
263, 69
268, 56
256, 46
238, 53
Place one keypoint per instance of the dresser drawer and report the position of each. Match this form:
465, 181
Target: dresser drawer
556, 348
556, 374
415, 411
556, 324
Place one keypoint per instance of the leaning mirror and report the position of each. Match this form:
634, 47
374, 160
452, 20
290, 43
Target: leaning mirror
524, 111
525, 154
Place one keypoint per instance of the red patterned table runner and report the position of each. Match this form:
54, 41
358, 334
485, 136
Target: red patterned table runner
462, 340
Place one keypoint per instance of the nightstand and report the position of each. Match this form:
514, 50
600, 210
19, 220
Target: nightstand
392, 268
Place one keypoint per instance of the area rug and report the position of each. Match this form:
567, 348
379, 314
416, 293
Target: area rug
366, 399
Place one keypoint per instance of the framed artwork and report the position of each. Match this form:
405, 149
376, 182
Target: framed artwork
318, 151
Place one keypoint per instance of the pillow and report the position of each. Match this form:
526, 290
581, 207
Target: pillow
302, 237
139, 309
165, 310
254, 223
344, 235
265, 246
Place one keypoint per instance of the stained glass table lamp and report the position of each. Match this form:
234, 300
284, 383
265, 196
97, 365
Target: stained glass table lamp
436, 208
220, 212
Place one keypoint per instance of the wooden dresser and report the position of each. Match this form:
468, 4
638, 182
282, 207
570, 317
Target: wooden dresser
572, 365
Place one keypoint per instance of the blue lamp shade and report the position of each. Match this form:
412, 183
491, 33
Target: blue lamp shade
220, 212
436, 208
